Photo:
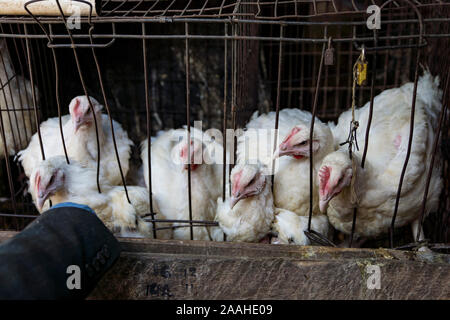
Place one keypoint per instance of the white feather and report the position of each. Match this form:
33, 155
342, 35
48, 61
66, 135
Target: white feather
291, 183
289, 227
111, 205
250, 219
170, 182
377, 184
81, 146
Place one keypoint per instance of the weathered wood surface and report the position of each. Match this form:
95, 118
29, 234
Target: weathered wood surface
48, 8
171, 269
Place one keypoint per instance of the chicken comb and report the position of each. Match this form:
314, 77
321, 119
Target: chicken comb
76, 106
293, 132
183, 151
324, 175
37, 180
237, 178
398, 141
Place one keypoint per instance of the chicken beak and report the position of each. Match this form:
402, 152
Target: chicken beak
282, 150
323, 204
191, 159
235, 199
233, 202
41, 198
77, 125
275, 240
276, 154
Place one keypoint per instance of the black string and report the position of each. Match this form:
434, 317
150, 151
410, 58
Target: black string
352, 137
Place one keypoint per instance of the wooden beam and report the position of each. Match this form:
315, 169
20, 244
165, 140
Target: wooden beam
171, 269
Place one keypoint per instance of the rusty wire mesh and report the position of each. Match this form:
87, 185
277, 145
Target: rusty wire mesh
219, 61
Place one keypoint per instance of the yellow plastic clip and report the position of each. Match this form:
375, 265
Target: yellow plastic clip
362, 73
361, 69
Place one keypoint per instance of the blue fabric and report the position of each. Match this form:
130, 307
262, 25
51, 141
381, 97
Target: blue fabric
75, 205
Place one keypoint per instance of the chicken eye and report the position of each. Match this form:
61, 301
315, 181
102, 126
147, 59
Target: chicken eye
303, 143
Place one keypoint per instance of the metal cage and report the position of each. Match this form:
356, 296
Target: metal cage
219, 61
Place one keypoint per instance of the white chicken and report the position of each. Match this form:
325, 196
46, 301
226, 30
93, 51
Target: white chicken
81, 142
170, 162
58, 181
248, 214
376, 185
289, 228
291, 182
15, 96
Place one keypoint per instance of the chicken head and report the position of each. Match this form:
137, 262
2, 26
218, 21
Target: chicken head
81, 112
246, 181
190, 154
334, 175
48, 179
297, 143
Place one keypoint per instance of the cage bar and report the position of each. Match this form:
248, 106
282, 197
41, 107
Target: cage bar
273, 55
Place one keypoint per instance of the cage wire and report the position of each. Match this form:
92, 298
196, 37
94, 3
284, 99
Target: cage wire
157, 65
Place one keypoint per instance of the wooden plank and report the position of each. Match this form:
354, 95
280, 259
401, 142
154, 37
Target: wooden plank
151, 269
172, 269
5, 235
